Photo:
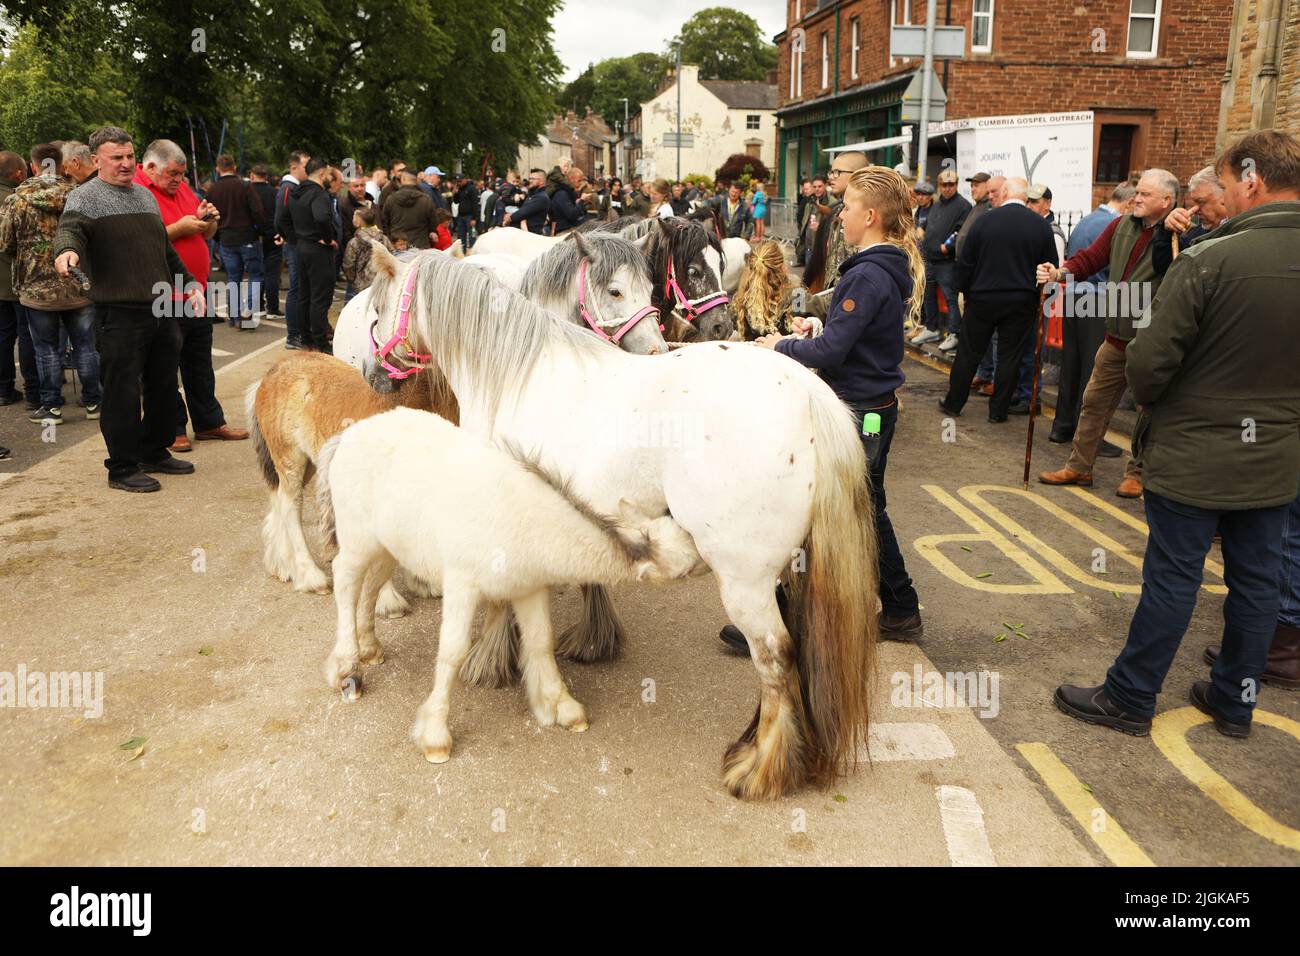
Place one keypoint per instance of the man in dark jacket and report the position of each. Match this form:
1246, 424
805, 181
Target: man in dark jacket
467, 212
308, 222
735, 216
1205, 203
349, 201
242, 219
295, 337
567, 209
272, 257
1219, 441
996, 271
939, 249
533, 209
407, 217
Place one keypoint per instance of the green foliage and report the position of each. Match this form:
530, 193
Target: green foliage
372, 81
602, 86
698, 179
727, 45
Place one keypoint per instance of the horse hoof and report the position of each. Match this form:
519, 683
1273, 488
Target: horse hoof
350, 688
437, 754
374, 658
571, 715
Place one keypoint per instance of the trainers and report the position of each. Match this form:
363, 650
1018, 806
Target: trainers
949, 343
925, 335
170, 465
46, 416
92, 413
293, 344
134, 482
4, 453
1092, 706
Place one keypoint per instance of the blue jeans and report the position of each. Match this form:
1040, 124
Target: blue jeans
1180, 537
293, 332
942, 275
989, 363
14, 328
236, 260
1288, 612
79, 325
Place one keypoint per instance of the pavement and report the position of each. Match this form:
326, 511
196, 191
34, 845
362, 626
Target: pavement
220, 743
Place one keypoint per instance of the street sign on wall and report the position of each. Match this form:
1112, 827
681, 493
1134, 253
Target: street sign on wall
688, 140
908, 40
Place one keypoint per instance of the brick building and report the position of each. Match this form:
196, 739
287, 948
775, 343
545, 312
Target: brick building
587, 140
1150, 71
1261, 85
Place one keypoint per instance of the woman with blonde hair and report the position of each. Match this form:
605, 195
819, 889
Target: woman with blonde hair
860, 351
660, 192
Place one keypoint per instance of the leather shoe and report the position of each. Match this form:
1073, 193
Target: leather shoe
1109, 450
986, 389
1282, 668
734, 639
182, 443
222, 433
943, 407
978, 382
1199, 695
138, 481
168, 466
1065, 477
1092, 706
1129, 488
1061, 436
997, 419
900, 628
13, 398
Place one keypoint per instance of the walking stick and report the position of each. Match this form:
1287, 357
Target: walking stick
1033, 391
1174, 240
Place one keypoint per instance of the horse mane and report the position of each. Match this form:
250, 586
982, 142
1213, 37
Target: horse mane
476, 326
551, 274
762, 300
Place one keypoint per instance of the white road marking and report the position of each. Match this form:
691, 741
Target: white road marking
6, 475
220, 353
904, 741
277, 344
963, 827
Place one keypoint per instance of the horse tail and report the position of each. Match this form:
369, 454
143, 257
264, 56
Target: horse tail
833, 605
324, 496
264, 459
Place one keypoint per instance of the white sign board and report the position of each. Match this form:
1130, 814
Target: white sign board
688, 140
909, 40
1050, 148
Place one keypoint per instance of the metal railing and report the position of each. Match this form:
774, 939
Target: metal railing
782, 219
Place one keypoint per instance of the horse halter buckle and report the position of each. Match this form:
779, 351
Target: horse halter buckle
417, 361
586, 316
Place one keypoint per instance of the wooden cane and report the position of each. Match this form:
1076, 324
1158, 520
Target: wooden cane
1033, 391
1174, 240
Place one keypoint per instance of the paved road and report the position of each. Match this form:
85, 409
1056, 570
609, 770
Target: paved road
248, 758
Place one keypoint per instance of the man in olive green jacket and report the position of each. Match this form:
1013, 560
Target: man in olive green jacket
1218, 440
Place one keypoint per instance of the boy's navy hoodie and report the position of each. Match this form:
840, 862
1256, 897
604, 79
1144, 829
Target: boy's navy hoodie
860, 350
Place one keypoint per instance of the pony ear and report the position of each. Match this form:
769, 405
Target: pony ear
663, 227
582, 246
642, 243
382, 259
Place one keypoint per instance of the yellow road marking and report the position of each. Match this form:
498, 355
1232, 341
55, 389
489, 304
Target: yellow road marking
1137, 524
928, 546
974, 494
1169, 733
1109, 836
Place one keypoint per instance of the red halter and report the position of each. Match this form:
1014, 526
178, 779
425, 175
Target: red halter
582, 308
417, 361
694, 308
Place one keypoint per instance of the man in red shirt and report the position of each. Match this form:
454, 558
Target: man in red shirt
190, 223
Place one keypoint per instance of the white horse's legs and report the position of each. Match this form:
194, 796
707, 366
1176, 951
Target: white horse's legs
367, 643
350, 567
771, 757
307, 575
285, 552
431, 733
390, 602
547, 696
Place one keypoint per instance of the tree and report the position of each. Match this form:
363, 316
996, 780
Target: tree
727, 45
578, 93
742, 168
636, 77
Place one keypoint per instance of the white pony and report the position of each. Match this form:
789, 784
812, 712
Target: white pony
734, 252
751, 453
409, 487
514, 241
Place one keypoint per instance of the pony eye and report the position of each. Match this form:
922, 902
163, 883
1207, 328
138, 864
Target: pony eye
615, 293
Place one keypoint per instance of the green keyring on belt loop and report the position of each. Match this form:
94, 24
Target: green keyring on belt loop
871, 424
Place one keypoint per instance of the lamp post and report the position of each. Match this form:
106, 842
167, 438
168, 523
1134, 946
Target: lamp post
623, 164
679, 110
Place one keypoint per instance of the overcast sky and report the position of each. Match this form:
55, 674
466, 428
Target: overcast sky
587, 31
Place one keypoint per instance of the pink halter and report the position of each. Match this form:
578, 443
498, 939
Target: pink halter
694, 307
582, 309
417, 360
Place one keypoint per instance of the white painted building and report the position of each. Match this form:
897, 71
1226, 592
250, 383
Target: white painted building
719, 118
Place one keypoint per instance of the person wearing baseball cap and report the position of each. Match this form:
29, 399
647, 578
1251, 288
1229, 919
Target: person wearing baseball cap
939, 248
